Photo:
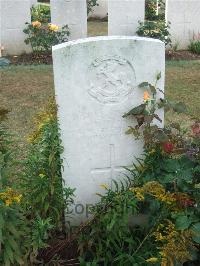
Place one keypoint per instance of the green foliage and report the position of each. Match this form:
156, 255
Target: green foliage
41, 13
117, 235
42, 37
43, 193
194, 47
13, 231
30, 214
91, 4
156, 30
151, 10
13, 224
162, 188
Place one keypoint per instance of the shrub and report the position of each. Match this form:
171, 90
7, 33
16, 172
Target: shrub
41, 13
163, 189
91, 4
32, 209
151, 10
13, 223
42, 37
156, 30
194, 47
44, 195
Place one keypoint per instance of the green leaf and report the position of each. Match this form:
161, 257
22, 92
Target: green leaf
153, 89
158, 77
183, 222
196, 232
179, 107
161, 136
143, 85
136, 111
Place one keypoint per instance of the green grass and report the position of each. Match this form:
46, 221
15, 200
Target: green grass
96, 28
26, 89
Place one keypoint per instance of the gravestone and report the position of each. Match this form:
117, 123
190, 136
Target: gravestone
100, 11
33, 3
185, 21
72, 13
13, 16
96, 82
123, 16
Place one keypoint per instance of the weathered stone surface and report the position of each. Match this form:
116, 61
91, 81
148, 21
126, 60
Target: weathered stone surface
13, 16
185, 21
123, 16
33, 2
71, 13
101, 10
96, 82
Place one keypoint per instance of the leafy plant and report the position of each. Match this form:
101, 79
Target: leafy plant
42, 37
41, 13
91, 4
151, 10
194, 46
13, 223
43, 193
156, 30
165, 195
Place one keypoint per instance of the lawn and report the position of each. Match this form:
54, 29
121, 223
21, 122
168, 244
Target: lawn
26, 89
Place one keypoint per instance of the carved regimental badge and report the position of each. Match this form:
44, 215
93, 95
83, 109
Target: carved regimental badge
112, 79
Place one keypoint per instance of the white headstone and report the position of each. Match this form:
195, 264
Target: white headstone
96, 82
101, 10
72, 13
184, 16
14, 14
33, 2
123, 16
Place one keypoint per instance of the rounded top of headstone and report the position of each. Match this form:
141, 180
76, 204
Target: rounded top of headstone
105, 38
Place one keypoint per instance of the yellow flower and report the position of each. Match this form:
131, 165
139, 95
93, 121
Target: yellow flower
152, 260
17, 198
146, 96
9, 196
139, 193
8, 202
41, 175
152, 151
104, 186
36, 24
53, 27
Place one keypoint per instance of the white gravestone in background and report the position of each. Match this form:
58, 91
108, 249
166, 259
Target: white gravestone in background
72, 13
100, 10
123, 16
13, 16
33, 2
184, 16
96, 82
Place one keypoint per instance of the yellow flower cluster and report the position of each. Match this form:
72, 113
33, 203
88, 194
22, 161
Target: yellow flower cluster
42, 119
139, 193
156, 190
53, 27
152, 260
175, 244
36, 24
10, 196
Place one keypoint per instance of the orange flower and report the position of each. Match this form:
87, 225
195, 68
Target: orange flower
36, 24
146, 96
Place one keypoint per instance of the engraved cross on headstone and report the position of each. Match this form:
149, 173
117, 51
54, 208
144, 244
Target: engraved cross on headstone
112, 170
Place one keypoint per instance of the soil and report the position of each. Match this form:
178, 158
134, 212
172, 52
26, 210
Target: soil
46, 58
181, 55
31, 59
